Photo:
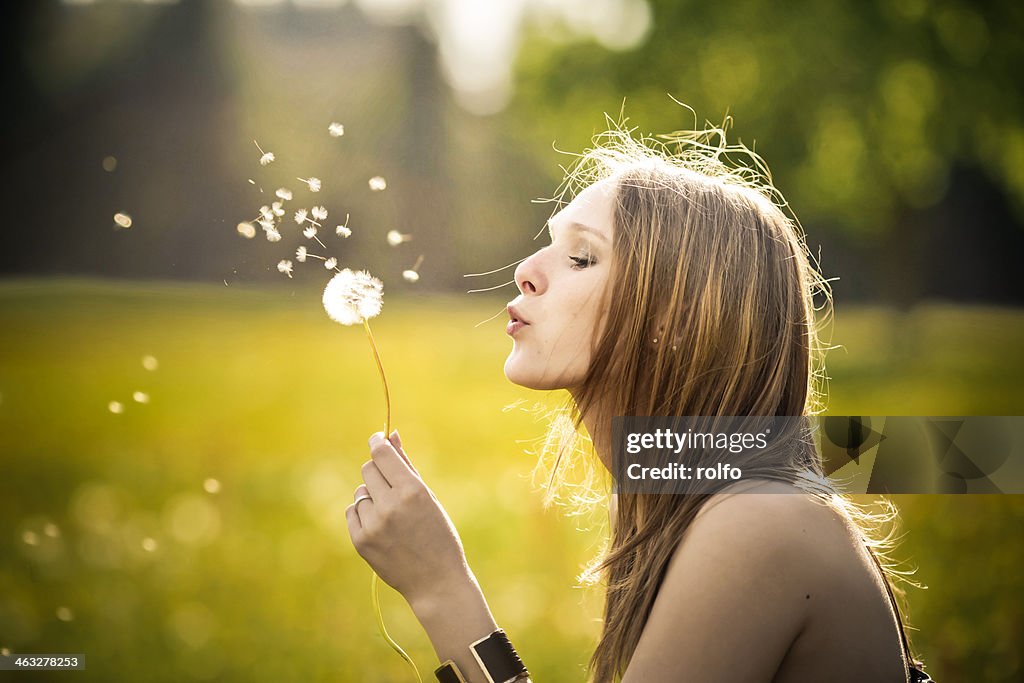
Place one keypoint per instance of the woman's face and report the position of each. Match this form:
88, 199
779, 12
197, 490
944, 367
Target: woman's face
561, 287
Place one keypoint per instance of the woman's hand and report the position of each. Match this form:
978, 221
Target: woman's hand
401, 530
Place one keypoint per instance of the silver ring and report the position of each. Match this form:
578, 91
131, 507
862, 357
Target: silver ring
361, 498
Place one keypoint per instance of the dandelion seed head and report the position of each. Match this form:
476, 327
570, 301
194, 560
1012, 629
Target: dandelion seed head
266, 158
300, 254
411, 275
331, 263
116, 407
110, 164
336, 130
312, 183
395, 238
122, 220
310, 232
140, 397
319, 212
353, 296
301, 215
284, 193
211, 485
343, 231
150, 363
273, 235
246, 230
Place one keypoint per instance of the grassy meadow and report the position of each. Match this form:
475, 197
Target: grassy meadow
201, 535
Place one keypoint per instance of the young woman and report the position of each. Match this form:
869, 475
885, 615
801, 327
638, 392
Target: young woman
673, 286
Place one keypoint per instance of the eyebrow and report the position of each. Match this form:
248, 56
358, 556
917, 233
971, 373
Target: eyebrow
581, 228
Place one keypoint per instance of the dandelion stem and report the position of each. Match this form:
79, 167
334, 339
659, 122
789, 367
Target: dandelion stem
375, 591
375, 580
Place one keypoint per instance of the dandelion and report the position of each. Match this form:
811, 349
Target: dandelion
285, 266
300, 254
319, 213
378, 184
140, 397
284, 193
331, 263
336, 130
246, 230
267, 156
150, 363
116, 407
309, 232
273, 235
395, 238
313, 183
122, 220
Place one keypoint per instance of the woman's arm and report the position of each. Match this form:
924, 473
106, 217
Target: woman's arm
405, 535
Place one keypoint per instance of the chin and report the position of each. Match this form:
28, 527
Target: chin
520, 373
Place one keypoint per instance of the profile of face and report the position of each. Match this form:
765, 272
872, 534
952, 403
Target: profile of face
561, 288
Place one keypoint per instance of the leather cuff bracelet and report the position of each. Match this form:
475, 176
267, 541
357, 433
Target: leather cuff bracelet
498, 659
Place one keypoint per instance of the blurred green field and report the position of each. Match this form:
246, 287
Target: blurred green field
111, 545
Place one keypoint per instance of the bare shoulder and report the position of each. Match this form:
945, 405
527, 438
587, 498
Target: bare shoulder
752, 574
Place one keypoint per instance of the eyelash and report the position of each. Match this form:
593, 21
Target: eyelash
581, 262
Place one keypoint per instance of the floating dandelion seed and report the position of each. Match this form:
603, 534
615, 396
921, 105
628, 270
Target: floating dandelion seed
336, 130
301, 216
378, 184
319, 213
273, 235
51, 530
277, 208
30, 538
246, 230
65, 614
285, 266
267, 156
140, 397
149, 544
266, 213
267, 223
251, 181
331, 263
150, 363
211, 485
110, 164
313, 183
395, 238
343, 231
353, 296
284, 193
116, 407
309, 232
122, 220
411, 275
300, 254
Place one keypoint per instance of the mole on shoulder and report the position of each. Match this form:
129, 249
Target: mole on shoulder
807, 597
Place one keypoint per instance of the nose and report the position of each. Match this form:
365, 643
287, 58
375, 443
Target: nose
529, 276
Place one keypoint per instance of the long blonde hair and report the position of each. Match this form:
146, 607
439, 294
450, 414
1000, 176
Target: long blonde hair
707, 262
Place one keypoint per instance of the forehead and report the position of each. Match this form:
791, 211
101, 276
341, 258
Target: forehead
594, 206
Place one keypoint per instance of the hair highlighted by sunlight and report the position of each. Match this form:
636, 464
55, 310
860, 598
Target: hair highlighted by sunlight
705, 259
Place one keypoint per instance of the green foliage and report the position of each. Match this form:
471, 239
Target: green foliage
260, 391
860, 109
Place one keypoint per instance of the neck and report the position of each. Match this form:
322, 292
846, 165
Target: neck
599, 426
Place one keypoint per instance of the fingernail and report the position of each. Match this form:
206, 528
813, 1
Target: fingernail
396, 437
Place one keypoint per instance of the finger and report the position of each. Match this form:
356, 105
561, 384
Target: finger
365, 503
376, 485
396, 441
355, 525
394, 468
